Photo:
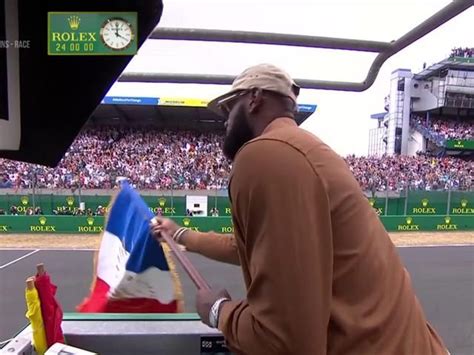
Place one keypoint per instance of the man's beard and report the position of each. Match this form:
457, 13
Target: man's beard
239, 134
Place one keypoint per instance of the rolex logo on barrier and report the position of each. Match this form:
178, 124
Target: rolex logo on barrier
447, 225
464, 209
74, 22
425, 209
372, 201
24, 200
90, 228
409, 225
162, 201
187, 223
42, 227
70, 200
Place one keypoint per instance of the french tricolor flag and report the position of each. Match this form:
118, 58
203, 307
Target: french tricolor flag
133, 272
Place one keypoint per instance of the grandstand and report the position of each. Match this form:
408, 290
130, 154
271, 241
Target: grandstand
431, 112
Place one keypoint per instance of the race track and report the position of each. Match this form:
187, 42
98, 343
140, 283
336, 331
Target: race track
442, 276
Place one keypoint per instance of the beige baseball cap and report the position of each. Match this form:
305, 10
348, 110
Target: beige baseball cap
261, 76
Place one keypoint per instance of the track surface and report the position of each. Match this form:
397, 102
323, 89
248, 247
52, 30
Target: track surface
443, 278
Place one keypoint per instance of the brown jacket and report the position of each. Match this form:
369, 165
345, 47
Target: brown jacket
321, 272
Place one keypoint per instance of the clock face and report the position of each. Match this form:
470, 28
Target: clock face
117, 33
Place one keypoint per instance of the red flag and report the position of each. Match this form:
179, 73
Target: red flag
50, 309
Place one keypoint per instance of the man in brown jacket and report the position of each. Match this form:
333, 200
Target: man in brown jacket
321, 273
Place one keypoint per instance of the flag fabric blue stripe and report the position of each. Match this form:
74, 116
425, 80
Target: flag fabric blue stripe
129, 220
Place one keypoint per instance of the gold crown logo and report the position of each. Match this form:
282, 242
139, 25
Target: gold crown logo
162, 201
74, 22
42, 220
186, 222
90, 221
409, 220
447, 219
70, 200
372, 201
424, 202
464, 203
24, 200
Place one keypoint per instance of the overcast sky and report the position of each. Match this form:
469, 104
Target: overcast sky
342, 119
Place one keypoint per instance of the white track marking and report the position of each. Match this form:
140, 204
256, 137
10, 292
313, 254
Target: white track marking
18, 259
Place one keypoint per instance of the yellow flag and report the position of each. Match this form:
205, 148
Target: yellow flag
33, 313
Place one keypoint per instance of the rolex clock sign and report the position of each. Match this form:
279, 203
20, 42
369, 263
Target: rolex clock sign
92, 33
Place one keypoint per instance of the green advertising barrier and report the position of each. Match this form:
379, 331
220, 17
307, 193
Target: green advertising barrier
426, 203
91, 225
393, 206
462, 203
418, 203
64, 204
51, 224
461, 144
434, 203
428, 223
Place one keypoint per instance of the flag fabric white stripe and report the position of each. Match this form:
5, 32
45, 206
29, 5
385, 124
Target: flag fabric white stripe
151, 283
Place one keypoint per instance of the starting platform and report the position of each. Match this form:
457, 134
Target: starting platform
120, 334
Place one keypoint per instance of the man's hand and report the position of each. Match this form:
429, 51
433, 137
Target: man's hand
164, 225
204, 301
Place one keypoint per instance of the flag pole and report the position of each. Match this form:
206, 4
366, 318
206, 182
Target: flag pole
195, 276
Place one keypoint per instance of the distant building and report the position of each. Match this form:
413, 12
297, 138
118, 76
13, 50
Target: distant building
441, 92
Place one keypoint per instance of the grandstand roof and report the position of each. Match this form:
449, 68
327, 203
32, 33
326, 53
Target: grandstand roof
378, 116
458, 63
168, 113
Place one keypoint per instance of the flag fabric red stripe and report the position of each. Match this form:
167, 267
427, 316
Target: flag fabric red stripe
50, 309
99, 302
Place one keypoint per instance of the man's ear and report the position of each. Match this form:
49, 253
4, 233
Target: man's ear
256, 100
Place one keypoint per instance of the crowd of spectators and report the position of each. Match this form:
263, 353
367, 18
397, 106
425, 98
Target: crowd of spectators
183, 160
417, 173
447, 129
151, 159
462, 52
